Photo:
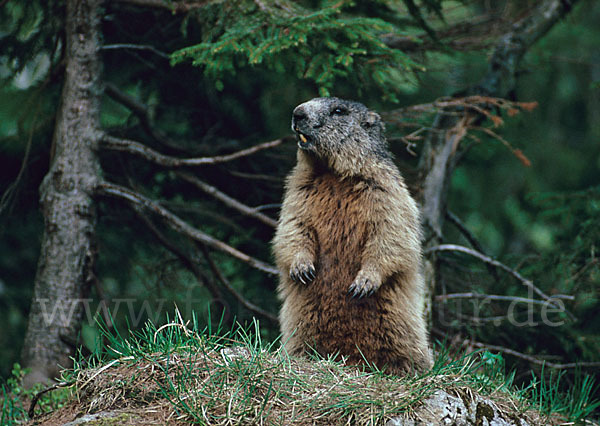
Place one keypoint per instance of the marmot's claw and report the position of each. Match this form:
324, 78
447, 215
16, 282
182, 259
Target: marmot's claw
362, 287
308, 274
303, 273
358, 291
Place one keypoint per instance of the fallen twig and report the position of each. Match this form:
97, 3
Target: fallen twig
38, 395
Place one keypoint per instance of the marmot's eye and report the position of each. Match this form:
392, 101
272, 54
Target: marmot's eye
339, 111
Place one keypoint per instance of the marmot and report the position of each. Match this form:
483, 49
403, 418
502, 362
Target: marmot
348, 244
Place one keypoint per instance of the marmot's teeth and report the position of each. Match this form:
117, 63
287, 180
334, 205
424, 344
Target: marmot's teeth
302, 138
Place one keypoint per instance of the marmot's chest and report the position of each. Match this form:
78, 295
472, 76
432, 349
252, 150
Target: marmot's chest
339, 215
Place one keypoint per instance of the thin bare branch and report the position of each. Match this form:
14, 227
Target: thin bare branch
191, 264
142, 112
139, 149
583, 269
516, 152
447, 108
268, 207
476, 33
454, 107
488, 260
496, 320
465, 231
503, 298
175, 222
173, 6
28, 110
129, 46
255, 176
533, 359
11, 190
227, 200
246, 303
182, 256
129, 101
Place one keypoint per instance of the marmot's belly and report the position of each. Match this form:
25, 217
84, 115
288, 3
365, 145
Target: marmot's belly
331, 320
341, 238
334, 322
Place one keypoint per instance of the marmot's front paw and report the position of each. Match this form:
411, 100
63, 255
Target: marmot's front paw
303, 271
364, 284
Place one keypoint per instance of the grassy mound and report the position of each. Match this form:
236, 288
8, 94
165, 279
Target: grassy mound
178, 375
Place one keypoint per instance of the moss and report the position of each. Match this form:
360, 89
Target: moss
483, 411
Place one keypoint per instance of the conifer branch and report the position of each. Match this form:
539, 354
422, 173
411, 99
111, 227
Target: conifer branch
438, 159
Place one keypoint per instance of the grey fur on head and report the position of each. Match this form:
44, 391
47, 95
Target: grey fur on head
333, 128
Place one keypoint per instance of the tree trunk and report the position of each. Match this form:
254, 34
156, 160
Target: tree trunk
438, 159
67, 252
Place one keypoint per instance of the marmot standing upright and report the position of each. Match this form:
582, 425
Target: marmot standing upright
348, 244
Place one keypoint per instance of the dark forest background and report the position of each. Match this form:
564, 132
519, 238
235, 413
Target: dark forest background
525, 190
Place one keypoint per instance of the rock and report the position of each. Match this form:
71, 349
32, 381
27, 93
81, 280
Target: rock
441, 408
101, 418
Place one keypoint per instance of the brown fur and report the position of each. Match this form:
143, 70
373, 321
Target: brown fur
349, 227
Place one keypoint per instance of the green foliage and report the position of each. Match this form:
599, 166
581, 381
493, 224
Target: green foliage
12, 406
573, 262
575, 216
29, 33
15, 399
429, 5
322, 46
548, 396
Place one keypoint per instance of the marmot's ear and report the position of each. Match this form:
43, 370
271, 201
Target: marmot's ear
373, 124
371, 119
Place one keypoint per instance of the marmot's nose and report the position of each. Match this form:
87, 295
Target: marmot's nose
299, 115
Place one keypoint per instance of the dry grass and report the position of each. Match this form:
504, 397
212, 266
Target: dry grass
224, 381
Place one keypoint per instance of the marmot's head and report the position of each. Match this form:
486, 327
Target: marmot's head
344, 134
